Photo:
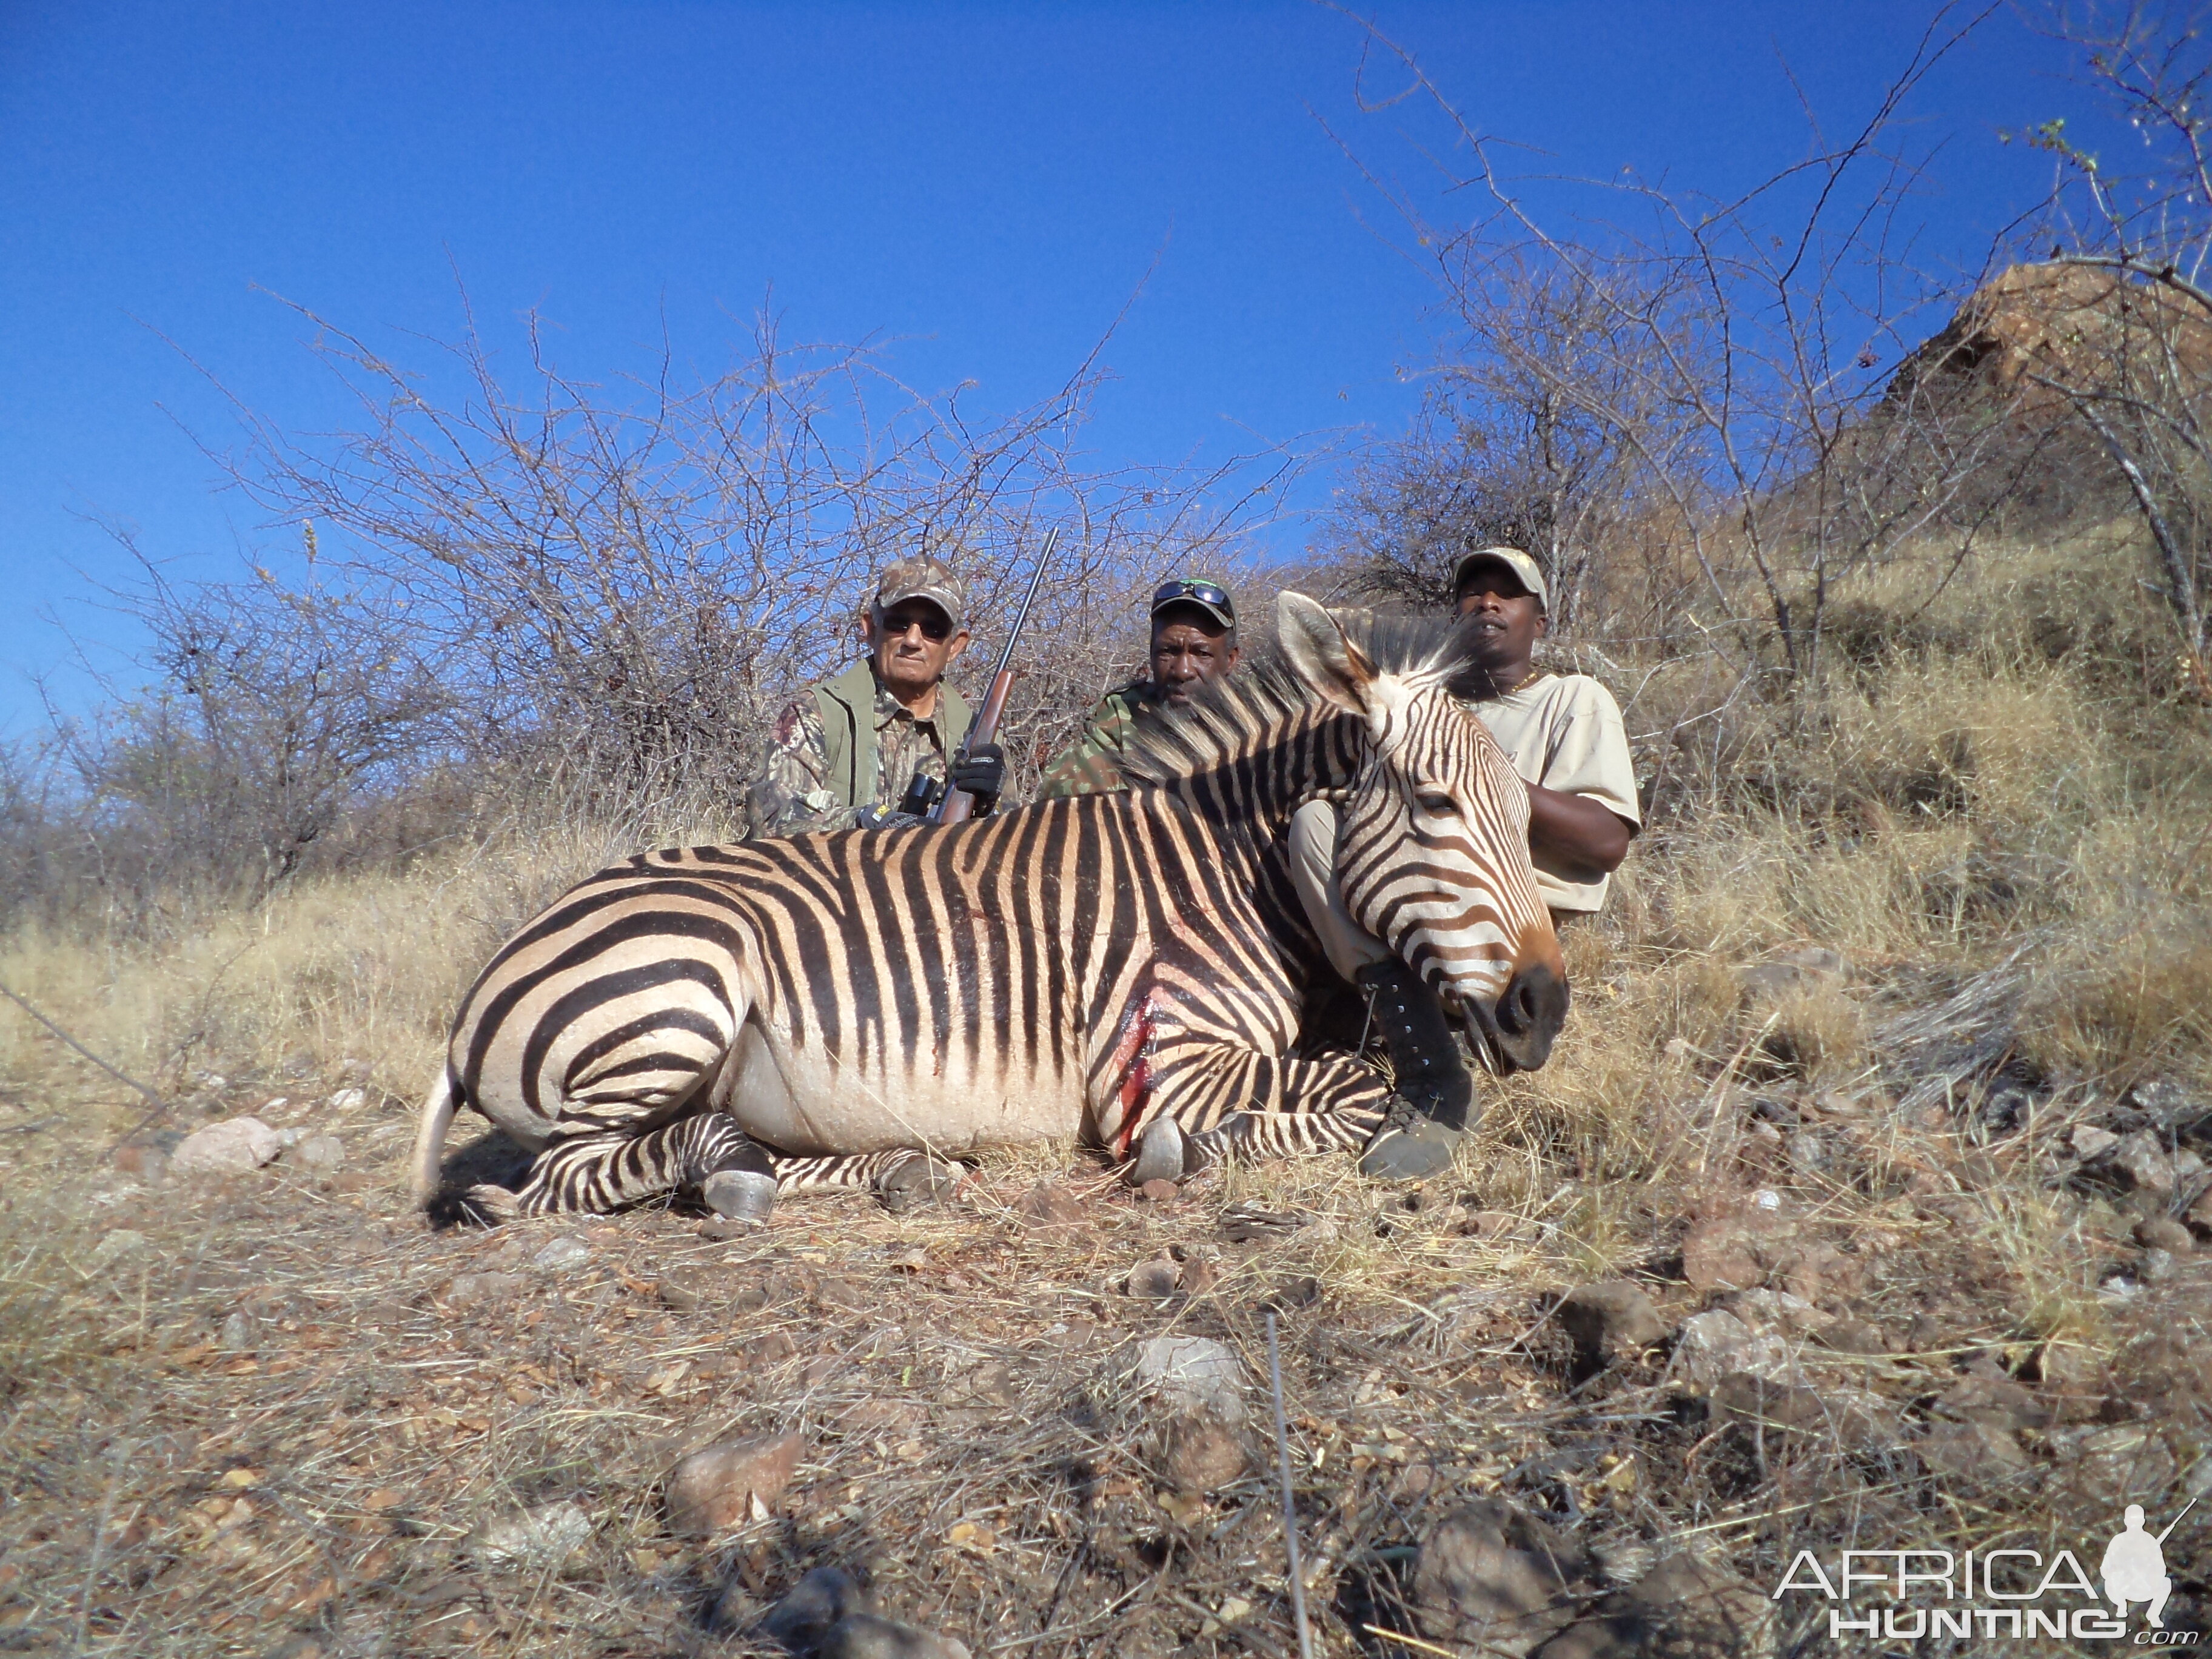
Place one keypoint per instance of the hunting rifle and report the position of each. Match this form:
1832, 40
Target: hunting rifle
956, 804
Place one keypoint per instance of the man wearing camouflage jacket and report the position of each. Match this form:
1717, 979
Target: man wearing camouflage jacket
1194, 639
844, 755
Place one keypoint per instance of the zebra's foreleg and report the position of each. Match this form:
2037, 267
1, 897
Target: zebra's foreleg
601, 1170
1231, 1103
904, 1178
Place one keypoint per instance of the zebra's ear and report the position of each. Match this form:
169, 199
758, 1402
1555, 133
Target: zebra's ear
1323, 654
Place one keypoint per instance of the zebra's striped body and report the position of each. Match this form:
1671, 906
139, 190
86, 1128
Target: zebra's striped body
1072, 970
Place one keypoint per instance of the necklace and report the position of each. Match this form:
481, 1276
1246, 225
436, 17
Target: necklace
1525, 683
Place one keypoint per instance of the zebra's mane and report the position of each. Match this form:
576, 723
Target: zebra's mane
1229, 716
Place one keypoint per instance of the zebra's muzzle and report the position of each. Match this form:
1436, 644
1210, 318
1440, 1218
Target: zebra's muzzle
1515, 1032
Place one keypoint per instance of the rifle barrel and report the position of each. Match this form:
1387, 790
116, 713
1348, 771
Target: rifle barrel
954, 805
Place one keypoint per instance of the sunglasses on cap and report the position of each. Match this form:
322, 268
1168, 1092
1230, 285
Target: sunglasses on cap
935, 625
1203, 592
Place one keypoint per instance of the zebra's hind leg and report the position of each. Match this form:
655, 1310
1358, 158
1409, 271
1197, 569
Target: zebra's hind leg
904, 1178
602, 1170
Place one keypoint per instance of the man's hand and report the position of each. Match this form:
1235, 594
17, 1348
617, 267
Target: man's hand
982, 775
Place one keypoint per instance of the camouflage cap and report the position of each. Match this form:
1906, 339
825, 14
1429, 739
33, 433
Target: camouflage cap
922, 577
1207, 594
1525, 569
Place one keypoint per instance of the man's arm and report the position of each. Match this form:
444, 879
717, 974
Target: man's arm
1582, 838
791, 795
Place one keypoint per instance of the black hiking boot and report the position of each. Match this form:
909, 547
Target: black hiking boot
1432, 1105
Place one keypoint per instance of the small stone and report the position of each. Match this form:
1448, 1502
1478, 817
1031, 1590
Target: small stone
871, 1636
1807, 1152
1997, 1400
1676, 1048
2144, 1160
2157, 1267
347, 1100
1494, 1577
716, 1488
1716, 1257
537, 1539
236, 1335
1491, 1223
2088, 1141
1683, 1608
2163, 1232
1203, 1454
478, 1290
1609, 1319
721, 1228
1050, 1204
677, 1294
1193, 1373
237, 1145
816, 1602
770, 1348
894, 1419
1856, 1336
1971, 1451
1713, 1344
1741, 1397
560, 1256
822, 1370
113, 1246
1156, 1279
321, 1152
1159, 1192
2199, 1217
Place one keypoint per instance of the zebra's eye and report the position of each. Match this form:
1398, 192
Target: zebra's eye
1432, 801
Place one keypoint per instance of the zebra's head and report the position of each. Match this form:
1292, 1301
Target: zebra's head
1432, 843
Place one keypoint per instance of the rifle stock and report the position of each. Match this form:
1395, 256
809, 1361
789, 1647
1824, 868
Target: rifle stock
957, 804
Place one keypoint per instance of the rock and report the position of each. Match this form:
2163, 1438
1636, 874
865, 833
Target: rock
2157, 1267
1996, 1401
1971, 1451
321, 1152
1713, 1344
2144, 1160
816, 1602
2089, 1142
1795, 970
237, 1333
1203, 1454
237, 1145
871, 1636
1716, 1255
678, 1293
2199, 1217
893, 1418
1156, 1279
1193, 1373
1159, 1192
347, 1100
2115, 1466
716, 1488
1683, 1608
1610, 1319
481, 1290
113, 1246
770, 1348
1493, 1224
560, 1256
1856, 1336
2163, 1232
1769, 1408
1494, 1577
1777, 1310
537, 1539
1050, 1204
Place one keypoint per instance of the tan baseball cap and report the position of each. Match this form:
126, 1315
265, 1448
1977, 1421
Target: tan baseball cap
1525, 568
923, 576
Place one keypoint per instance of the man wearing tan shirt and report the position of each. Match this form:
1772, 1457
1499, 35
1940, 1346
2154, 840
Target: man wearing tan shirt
1565, 737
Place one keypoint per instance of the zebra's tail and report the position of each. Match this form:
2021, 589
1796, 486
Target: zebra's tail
430, 1138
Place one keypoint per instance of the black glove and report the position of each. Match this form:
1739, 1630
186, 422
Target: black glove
981, 772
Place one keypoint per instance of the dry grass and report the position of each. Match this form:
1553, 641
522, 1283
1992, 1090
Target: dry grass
1992, 810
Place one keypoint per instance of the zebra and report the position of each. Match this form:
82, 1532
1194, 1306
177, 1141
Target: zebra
857, 1008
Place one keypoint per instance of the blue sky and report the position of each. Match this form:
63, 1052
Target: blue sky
985, 184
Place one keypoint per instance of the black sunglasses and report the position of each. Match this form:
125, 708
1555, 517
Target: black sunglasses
1204, 592
934, 623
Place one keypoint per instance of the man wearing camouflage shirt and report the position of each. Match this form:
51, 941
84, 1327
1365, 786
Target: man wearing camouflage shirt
844, 755
1194, 639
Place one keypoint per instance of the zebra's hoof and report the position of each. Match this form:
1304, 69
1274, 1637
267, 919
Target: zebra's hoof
740, 1194
494, 1204
1161, 1154
918, 1181
1410, 1152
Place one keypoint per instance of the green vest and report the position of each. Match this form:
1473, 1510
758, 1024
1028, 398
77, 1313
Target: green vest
847, 707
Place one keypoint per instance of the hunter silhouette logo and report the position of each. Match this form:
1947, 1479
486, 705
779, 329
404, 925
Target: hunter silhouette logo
2134, 1567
